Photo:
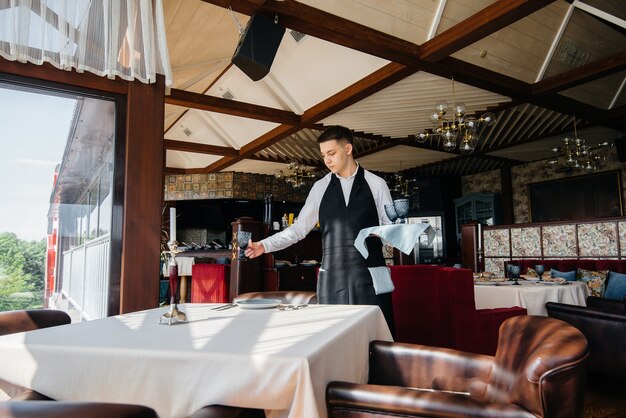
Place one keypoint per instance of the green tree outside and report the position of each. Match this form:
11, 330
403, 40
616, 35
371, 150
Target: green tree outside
22, 272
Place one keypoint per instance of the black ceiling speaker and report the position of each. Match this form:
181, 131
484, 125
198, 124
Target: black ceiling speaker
257, 47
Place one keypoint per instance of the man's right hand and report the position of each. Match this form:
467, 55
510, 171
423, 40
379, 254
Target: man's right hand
254, 249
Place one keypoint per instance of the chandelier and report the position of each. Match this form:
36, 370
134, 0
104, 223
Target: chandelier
296, 174
575, 153
457, 127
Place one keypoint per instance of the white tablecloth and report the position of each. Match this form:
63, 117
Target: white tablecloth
185, 264
280, 361
531, 296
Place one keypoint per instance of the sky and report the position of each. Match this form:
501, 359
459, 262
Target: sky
33, 134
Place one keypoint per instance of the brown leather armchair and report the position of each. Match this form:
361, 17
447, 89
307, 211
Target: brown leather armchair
28, 320
603, 323
287, 296
52, 409
537, 371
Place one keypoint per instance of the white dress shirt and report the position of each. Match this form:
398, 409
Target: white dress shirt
309, 215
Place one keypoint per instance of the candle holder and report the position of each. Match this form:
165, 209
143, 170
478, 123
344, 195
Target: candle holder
174, 315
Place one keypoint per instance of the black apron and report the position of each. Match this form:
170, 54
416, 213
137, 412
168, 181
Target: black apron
344, 277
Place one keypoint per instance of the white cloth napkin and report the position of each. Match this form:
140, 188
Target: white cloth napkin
381, 278
400, 236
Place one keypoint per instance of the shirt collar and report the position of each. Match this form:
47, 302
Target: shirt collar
351, 175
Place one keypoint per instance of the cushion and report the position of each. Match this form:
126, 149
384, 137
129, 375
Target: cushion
595, 280
615, 286
570, 276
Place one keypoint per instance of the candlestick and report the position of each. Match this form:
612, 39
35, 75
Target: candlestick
172, 224
174, 314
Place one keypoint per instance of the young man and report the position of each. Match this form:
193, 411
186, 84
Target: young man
344, 201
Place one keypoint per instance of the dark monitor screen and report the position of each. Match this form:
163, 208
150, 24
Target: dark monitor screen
580, 197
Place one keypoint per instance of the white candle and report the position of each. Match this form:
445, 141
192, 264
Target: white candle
172, 224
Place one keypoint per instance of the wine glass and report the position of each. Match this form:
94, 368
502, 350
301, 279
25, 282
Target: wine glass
243, 237
540, 269
515, 271
390, 210
402, 208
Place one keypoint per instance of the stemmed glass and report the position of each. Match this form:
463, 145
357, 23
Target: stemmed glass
402, 209
243, 237
390, 210
540, 269
514, 271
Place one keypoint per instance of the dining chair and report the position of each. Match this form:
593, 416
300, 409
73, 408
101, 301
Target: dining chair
539, 370
603, 323
66, 409
286, 296
28, 320
471, 329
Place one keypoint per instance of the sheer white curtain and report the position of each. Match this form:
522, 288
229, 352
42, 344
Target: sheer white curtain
124, 38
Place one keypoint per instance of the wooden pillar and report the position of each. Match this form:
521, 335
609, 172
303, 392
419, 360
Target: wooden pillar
507, 195
470, 246
245, 275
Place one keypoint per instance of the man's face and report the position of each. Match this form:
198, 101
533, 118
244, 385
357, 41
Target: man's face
336, 155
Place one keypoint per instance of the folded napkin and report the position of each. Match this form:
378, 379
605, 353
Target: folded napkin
400, 236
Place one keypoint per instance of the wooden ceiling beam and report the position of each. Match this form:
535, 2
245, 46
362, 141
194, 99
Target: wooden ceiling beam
487, 21
331, 28
199, 148
577, 76
230, 107
374, 82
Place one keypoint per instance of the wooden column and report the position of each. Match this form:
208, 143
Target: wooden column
245, 275
470, 257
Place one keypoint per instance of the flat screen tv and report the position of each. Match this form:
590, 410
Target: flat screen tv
580, 197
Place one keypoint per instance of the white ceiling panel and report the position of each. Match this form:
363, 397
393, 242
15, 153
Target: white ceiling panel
181, 159
401, 157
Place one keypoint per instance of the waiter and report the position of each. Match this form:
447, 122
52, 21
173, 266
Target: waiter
344, 201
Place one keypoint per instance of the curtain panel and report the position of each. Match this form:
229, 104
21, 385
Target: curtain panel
124, 38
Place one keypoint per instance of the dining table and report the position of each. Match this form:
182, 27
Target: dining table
531, 295
276, 360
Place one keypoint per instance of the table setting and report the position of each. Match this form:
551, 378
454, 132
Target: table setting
278, 358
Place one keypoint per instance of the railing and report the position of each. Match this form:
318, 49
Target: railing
86, 277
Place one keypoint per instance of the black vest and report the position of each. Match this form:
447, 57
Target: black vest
344, 277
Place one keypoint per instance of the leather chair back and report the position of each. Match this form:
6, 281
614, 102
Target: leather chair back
539, 365
287, 296
28, 320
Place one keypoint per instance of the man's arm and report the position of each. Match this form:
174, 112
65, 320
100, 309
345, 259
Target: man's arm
307, 219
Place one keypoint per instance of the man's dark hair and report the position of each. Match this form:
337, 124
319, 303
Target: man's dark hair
335, 132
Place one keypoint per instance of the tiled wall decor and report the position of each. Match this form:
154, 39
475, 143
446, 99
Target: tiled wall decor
526, 242
231, 185
522, 175
559, 240
602, 239
597, 239
496, 242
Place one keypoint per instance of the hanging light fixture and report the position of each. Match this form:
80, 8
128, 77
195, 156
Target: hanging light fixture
296, 174
576, 154
459, 128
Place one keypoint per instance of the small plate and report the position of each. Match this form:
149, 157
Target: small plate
258, 303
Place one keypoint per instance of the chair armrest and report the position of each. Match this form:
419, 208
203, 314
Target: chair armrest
604, 331
358, 400
420, 366
28, 320
608, 305
43, 409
